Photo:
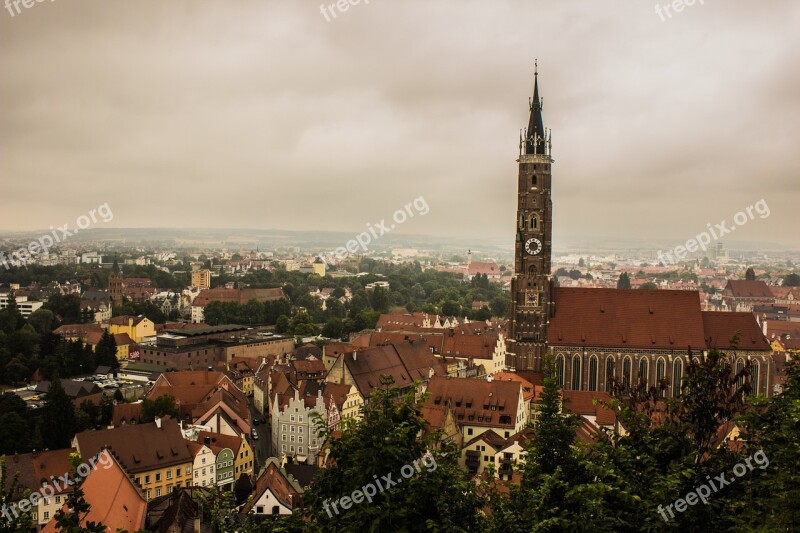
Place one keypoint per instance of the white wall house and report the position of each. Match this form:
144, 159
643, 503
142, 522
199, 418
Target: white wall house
293, 430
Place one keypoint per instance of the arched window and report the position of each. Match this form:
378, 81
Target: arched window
533, 182
677, 377
661, 372
593, 373
626, 372
739, 368
560, 370
532, 270
576, 372
644, 371
534, 222
609, 371
754, 371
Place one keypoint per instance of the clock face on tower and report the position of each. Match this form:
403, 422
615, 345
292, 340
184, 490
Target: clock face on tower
533, 246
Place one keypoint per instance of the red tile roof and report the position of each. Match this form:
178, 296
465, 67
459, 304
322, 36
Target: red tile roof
139, 447
404, 362
720, 328
126, 413
275, 480
744, 288
472, 398
583, 403
633, 318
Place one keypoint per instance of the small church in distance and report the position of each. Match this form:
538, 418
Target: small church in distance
595, 334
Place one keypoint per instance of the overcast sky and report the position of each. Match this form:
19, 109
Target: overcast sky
263, 114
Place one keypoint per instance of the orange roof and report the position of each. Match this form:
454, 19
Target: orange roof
113, 498
529, 390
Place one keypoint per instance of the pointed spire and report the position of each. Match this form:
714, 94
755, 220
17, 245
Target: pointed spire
115, 266
536, 133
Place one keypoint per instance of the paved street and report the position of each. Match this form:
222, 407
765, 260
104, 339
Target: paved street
261, 447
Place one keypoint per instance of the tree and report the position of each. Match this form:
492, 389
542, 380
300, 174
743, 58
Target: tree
42, 320
624, 281
106, 351
333, 329
380, 299
771, 428
648, 285
499, 306
282, 324
450, 308
792, 280
60, 415
436, 496
159, 407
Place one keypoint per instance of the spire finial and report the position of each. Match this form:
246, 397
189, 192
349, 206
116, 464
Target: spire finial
536, 67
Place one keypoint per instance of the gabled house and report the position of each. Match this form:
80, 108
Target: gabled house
275, 493
239, 461
292, 414
481, 404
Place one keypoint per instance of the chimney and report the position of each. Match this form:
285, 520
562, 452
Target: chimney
197, 523
158, 422
207, 441
764, 327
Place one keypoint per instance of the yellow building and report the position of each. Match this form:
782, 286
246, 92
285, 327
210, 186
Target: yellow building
138, 328
155, 454
201, 279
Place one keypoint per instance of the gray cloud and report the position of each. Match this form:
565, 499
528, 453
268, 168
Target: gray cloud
262, 114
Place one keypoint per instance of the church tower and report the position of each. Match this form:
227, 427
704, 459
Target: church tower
532, 285
115, 284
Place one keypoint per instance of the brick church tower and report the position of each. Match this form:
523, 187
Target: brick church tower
115, 284
532, 303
